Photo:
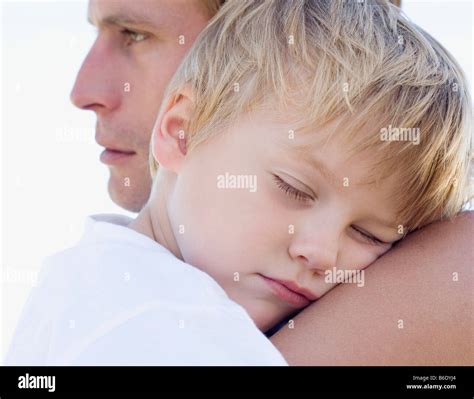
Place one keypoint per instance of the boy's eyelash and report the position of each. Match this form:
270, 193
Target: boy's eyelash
369, 238
301, 196
290, 190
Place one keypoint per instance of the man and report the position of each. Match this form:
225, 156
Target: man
138, 48
415, 307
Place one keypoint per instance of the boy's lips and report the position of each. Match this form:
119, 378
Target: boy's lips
290, 292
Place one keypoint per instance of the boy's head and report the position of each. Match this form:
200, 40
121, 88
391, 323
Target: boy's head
302, 136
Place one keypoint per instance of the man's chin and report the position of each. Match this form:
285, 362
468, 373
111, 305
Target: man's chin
127, 196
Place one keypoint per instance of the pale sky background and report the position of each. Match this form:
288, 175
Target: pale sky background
51, 177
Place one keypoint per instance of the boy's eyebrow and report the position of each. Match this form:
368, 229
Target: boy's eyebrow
319, 166
332, 178
301, 153
385, 223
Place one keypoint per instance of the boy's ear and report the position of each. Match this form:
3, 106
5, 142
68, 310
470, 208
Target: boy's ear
168, 142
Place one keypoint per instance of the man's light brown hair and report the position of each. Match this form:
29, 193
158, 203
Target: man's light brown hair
212, 6
363, 65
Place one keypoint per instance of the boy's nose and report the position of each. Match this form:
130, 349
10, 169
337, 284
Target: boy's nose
97, 87
316, 250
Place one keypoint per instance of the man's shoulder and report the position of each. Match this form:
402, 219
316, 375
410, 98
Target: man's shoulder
106, 246
108, 265
123, 263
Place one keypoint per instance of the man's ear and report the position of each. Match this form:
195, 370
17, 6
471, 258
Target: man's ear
168, 142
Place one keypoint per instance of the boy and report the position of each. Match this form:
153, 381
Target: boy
310, 134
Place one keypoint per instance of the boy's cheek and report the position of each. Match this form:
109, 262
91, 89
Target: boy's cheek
226, 227
228, 241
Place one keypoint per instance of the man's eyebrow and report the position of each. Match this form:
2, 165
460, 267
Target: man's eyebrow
122, 19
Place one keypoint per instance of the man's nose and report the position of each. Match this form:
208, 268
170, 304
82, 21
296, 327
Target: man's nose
97, 86
316, 248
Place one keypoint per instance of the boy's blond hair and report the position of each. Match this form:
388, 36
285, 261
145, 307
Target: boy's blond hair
360, 64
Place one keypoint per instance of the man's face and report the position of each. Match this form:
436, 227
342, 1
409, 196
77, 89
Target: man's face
139, 45
248, 208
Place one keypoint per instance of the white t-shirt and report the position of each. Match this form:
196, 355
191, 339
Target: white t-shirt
120, 298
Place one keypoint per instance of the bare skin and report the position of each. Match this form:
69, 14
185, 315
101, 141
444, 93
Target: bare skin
413, 282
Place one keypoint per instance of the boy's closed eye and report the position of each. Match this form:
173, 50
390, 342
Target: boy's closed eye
299, 195
292, 191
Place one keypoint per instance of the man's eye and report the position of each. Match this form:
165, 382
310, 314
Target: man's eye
133, 36
371, 239
290, 190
